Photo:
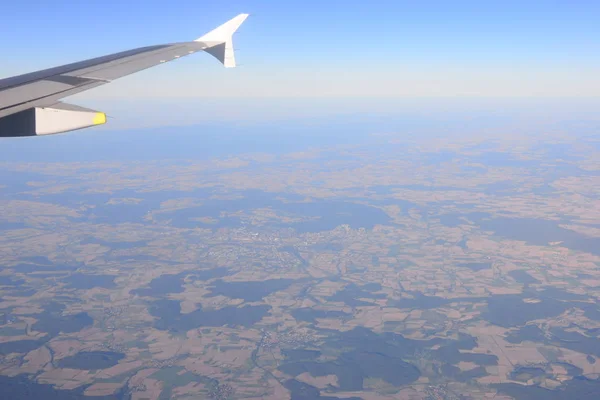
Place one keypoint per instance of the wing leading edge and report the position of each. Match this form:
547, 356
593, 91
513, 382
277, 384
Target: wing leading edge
26, 99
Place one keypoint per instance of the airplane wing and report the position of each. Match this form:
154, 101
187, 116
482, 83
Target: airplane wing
29, 103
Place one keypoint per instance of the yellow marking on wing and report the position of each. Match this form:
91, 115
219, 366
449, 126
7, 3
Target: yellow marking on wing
99, 119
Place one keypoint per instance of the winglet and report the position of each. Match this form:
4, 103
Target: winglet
219, 40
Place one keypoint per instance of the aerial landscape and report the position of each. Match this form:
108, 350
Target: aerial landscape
383, 269
383, 200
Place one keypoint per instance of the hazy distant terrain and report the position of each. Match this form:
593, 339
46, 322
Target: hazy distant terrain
346, 266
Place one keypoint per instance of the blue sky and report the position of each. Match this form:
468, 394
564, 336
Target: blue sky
324, 49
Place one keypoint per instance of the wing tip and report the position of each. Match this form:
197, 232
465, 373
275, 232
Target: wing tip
224, 32
219, 40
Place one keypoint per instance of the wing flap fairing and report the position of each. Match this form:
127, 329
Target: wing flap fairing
58, 118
